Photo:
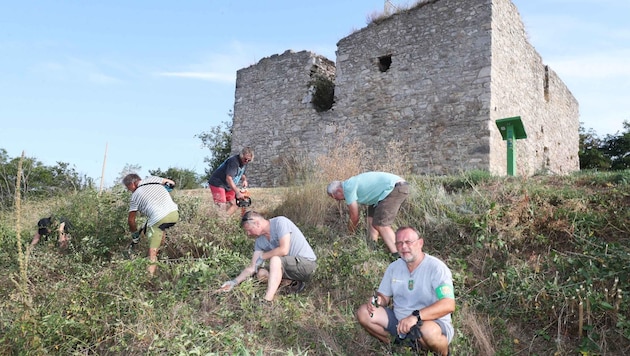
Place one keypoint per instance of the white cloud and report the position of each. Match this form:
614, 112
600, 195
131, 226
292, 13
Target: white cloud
216, 66
209, 76
73, 69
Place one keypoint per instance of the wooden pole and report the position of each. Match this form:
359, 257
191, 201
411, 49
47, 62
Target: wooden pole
103, 170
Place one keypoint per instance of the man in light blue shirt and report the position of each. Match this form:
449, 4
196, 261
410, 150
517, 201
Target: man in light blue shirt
382, 192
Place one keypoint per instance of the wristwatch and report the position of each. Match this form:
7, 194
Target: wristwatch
416, 313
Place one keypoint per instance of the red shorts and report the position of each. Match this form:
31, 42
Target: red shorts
220, 195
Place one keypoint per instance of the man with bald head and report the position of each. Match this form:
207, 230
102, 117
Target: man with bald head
421, 287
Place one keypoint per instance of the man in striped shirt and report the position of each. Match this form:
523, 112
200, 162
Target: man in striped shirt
150, 197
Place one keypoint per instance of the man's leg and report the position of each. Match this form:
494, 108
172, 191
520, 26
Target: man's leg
275, 277
372, 232
230, 197
63, 240
154, 248
263, 276
433, 339
218, 195
374, 324
231, 207
63, 237
389, 237
385, 214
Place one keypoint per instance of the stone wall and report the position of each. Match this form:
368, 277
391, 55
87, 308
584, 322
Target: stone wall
274, 115
522, 85
434, 78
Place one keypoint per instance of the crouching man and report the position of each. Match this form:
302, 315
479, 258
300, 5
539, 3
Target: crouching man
423, 299
280, 241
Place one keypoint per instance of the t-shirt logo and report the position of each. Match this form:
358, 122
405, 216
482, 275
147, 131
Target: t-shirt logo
410, 284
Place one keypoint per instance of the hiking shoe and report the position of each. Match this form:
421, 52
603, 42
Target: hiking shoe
296, 287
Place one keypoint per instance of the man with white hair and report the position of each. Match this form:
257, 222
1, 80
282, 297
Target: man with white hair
382, 192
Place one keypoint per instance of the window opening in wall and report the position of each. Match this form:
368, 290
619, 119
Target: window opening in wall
323, 92
546, 84
384, 63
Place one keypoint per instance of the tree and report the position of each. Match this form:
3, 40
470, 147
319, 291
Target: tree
617, 148
127, 169
609, 153
184, 178
219, 141
591, 155
38, 180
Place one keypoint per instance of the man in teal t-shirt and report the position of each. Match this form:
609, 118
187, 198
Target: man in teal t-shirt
382, 192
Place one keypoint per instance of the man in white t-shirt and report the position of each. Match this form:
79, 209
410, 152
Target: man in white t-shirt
421, 289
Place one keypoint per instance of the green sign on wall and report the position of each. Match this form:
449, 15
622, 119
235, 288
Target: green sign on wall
511, 129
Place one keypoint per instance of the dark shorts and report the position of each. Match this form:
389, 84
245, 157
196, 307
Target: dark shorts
297, 268
384, 213
392, 322
44, 226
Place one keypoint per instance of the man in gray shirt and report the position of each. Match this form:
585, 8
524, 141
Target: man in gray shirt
421, 287
281, 242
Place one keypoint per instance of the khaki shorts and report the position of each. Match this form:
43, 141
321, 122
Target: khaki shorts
297, 268
155, 233
384, 213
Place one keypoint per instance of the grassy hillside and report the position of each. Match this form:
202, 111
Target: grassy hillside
541, 267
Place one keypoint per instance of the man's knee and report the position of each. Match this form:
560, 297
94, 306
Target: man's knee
362, 315
432, 335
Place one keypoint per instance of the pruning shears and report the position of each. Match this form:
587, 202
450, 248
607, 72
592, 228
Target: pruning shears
374, 301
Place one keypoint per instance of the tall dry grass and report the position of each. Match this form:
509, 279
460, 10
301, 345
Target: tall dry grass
306, 200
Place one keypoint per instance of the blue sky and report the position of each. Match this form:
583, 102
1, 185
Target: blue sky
142, 78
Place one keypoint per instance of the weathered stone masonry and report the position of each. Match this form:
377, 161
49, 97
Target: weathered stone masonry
435, 77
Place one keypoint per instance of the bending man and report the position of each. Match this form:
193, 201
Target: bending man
225, 179
150, 197
383, 192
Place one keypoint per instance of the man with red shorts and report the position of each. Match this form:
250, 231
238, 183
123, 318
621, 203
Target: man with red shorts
225, 179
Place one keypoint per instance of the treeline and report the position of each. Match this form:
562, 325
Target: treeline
39, 181
612, 152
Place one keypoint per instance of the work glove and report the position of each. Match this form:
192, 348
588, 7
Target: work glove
135, 237
227, 286
259, 262
169, 187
